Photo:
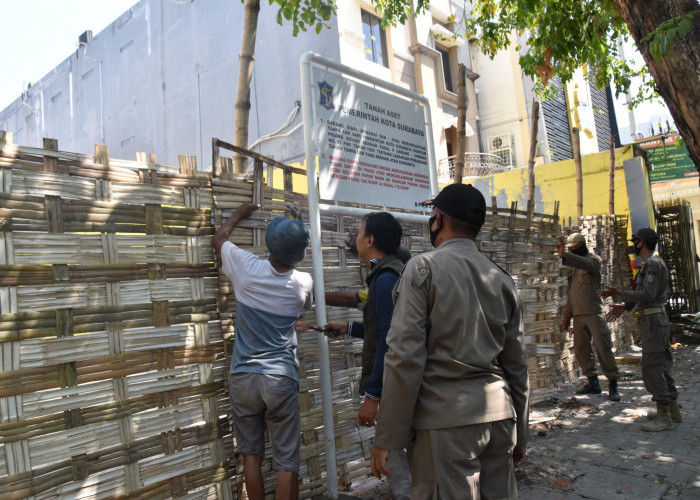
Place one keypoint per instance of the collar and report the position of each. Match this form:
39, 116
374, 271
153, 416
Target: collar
372, 263
468, 242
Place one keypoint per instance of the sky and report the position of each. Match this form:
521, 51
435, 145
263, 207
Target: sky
646, 114
37, 35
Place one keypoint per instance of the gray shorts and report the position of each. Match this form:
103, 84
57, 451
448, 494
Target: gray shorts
257, 398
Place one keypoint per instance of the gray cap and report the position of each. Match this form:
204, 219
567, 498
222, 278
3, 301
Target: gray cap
575, 239
286, 240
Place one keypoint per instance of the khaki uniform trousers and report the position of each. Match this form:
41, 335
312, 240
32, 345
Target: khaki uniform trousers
593, 329
463, 463
657, 358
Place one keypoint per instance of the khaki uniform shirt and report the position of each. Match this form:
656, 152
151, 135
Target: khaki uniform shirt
584, 285
456, 350
651, 285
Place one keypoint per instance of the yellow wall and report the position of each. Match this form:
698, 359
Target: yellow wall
299, 182
553, 182
557, 182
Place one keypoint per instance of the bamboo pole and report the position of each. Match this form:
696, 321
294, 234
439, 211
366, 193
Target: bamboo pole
245, 75
576, 143
533, 151
462, 104
611, 203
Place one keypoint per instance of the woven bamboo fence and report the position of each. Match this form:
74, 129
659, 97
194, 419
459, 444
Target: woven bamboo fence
116, 328
112, 381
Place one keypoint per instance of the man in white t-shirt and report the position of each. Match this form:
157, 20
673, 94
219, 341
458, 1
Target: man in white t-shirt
270, 295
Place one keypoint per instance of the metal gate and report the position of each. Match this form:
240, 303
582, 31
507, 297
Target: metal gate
677, 247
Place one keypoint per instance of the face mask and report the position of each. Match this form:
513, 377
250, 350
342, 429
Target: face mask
433, 234
636, 248
580, 251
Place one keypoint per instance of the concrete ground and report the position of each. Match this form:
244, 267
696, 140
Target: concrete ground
592, 448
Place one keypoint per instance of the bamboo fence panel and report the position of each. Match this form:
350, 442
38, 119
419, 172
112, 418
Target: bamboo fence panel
116, 327
111, 351
518, 240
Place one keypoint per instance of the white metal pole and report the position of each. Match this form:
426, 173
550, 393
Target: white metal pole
359, 212
315, 209
319, 287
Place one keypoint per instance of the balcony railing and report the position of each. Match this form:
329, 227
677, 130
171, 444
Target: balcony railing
475, 165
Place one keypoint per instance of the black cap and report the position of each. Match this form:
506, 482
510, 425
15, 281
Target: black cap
460, 201
647, 234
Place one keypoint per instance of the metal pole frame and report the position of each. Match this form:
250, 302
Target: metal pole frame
315, 209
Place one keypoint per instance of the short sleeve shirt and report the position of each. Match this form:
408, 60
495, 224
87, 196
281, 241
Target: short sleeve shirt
268, 304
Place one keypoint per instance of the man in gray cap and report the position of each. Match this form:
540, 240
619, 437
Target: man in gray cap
648, 301
264, 389
585, 306
455, 375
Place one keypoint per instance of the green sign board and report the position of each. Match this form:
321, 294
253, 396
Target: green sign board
669, 158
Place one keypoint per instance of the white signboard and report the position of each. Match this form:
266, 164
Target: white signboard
372, 145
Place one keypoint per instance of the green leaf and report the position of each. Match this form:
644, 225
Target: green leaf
684, 26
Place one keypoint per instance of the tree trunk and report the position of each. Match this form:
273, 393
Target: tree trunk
677, 75
245, 75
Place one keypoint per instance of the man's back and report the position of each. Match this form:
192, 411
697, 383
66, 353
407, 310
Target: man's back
473, 326
268, 306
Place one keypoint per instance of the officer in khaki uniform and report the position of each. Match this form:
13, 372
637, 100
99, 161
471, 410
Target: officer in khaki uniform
585, 306
648, 301
455, 375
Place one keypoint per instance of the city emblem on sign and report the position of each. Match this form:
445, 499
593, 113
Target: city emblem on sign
326, 99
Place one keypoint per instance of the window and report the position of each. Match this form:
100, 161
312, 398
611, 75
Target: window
446, 70
375, 39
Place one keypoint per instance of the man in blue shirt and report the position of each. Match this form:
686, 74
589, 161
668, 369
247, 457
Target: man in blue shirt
377, 242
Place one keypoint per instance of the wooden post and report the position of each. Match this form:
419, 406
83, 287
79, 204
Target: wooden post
50, 162
576, 143
611, 203
102, 154
215, 167
462, 104
533, 152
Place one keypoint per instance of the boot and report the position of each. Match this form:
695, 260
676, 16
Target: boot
662, 422
592, 387
675, 412
613, 395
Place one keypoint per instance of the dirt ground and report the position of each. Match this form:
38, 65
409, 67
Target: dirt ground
590, 447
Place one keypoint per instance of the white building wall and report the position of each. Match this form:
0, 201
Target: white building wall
503, 108
168, 80
162, 79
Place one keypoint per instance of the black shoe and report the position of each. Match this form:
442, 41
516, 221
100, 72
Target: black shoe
613, 394
592, 387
